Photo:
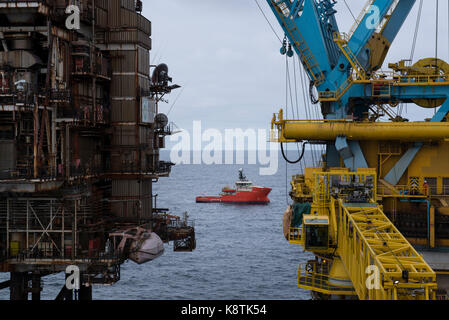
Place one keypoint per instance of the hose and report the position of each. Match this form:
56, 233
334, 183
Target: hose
301, 156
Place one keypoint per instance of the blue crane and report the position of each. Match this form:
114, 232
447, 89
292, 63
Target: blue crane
366, 193
343, 67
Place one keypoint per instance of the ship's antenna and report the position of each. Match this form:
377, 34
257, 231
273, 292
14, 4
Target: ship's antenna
242, 177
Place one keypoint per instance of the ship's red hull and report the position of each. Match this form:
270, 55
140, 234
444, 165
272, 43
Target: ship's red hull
257, 195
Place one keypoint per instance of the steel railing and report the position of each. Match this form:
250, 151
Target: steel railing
52, 255
315, 277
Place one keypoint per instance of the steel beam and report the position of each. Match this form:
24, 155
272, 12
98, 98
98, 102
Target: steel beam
402, 165
5, 284
397, 19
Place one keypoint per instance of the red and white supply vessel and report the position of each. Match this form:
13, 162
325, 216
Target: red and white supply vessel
244, 193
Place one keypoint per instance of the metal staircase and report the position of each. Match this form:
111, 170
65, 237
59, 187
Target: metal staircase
369, 239
343, 45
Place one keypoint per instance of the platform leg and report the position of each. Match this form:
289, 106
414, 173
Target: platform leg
85, 293
18, 286
36, 287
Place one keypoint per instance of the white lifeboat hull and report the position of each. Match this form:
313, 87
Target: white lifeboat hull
146, 249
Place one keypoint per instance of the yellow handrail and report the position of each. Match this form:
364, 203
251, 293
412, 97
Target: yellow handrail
315, 277
388, 78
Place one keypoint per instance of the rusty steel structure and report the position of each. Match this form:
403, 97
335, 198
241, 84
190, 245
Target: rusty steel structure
80, 136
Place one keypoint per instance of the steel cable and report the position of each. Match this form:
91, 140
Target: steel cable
415, 37
269, 23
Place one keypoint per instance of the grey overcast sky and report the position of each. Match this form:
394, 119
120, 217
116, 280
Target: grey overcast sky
226, 57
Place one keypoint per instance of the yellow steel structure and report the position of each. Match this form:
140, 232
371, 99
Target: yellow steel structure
317, 278
429, 71
297, 130
378, 262
376, 242
429, 67
401, 173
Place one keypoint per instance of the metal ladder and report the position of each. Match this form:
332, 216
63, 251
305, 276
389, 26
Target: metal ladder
306, 54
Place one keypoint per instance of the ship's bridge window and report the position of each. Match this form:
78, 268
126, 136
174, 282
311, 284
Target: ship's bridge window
316, 232
244, 184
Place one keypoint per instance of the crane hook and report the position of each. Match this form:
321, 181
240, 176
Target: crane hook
290, 51
284, 46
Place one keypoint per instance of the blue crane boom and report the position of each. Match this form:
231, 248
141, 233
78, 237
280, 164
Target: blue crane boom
310, 26
339, 64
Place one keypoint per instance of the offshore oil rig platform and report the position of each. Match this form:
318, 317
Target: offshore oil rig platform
374, 208
80, 135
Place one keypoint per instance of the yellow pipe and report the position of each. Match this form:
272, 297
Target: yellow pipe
329, 131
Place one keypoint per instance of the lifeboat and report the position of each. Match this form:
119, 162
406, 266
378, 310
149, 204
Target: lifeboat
245, 192
139, 244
